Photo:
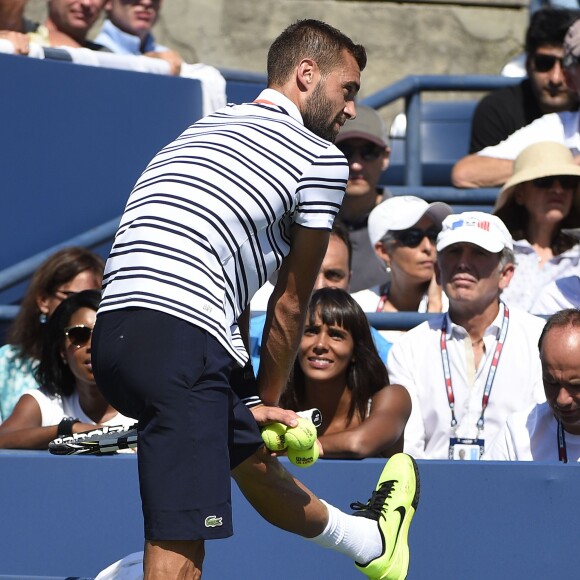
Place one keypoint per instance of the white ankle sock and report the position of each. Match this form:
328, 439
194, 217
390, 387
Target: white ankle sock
356, 537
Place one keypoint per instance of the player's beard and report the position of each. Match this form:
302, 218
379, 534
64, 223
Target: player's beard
318, 115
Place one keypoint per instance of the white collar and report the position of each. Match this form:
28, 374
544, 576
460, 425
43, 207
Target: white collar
277, 98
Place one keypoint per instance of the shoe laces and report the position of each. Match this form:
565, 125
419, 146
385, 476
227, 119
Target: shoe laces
373, 509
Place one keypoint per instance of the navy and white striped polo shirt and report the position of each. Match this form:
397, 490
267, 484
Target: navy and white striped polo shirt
208, 221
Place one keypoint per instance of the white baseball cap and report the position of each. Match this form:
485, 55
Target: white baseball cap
401, 213
475, 227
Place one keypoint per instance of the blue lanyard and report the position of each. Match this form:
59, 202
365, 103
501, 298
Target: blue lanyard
562, 453
490, 374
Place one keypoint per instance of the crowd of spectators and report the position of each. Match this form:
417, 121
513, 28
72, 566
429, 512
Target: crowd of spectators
483, 277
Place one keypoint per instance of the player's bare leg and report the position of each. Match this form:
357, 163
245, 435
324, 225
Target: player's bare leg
173, 560
278, 497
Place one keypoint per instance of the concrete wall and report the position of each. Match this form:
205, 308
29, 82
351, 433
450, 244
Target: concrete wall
401, 38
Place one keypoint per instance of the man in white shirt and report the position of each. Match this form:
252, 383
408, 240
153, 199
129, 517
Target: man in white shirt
469, 369
549, 431
492, 166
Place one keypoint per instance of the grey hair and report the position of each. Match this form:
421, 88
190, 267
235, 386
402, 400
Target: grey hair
506, 257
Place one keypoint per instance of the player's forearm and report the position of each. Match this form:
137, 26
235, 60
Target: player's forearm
282, 333
479, 171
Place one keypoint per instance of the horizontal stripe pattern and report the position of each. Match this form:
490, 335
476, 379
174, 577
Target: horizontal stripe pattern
208, 221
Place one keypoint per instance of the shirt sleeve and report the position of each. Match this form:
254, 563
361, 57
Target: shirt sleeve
321, 189
546, 128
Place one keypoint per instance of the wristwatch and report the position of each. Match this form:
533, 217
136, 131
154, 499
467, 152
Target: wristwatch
65, 427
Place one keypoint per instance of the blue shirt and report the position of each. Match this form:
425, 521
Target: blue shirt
120, 42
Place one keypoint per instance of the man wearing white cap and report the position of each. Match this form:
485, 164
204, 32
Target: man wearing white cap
467, 370
363, 141
492, 166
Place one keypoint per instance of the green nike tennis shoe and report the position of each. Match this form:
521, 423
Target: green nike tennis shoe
392, 506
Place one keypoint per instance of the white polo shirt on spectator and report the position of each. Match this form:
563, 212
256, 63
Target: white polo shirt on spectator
415, 361
560, 127
531, 435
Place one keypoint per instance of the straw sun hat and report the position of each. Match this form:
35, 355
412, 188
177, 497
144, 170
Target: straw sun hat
544, 159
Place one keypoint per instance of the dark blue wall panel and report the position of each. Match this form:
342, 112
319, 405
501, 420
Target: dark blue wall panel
73, 141
66, 516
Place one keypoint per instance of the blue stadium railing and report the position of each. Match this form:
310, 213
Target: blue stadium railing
243, 86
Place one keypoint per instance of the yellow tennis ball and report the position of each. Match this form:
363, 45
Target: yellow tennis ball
304, 457
301, 437
274, 437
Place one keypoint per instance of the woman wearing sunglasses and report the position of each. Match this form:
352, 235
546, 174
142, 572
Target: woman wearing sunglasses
65, 272
338, 371
540, 199
68, 400
403, 231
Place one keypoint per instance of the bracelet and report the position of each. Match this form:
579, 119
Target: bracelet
65, 427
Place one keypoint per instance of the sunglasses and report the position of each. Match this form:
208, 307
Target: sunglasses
566, 181
546, 62
368, 152
78, 335
412, 237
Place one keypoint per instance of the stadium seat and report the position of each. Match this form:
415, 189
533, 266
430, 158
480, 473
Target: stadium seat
445, 129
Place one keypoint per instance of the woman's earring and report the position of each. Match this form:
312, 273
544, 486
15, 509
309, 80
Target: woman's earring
43, 318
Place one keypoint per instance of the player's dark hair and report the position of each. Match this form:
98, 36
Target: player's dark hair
341, 232
562, 319
26, 332
53, 374
366, 375
310, 39
548, 27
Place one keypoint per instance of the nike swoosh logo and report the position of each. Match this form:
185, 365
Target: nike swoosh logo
402, 512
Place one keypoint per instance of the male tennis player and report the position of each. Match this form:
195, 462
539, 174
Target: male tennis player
244, 192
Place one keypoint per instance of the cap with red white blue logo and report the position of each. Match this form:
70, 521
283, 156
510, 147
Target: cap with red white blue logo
474, 227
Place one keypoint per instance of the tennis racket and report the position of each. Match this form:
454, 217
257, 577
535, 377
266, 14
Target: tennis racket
107, 440
102, 441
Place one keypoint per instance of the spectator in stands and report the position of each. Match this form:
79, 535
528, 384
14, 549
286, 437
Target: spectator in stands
335, 272
493, 165
66, 272
549, 431
450, 363
402, 231
562, 293
127, 30
68, 23
14, 26
544, 90
68, 400
541, 198
364, 142
339, 371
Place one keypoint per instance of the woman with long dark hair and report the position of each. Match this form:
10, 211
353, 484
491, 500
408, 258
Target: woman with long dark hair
68, 400
63, 273
338, 371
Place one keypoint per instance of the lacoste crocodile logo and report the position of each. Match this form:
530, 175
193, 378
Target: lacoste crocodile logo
212, 522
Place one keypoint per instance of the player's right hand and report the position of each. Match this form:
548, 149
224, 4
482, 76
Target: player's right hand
264, 414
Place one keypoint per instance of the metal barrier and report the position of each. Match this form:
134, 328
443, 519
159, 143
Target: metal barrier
411, 88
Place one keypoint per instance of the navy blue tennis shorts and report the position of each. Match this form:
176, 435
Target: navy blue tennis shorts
173, 377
